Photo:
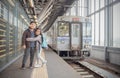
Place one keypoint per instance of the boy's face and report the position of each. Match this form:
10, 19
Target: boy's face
37, 32
32, 26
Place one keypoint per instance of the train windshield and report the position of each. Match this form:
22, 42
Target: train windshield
63, 29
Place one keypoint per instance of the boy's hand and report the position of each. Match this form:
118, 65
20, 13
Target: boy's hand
24, 46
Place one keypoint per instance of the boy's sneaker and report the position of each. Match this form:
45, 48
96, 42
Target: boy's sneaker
37, 65
23, 68
31, 67
44, 62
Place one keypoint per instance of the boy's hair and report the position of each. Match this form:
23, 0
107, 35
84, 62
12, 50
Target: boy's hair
32, 22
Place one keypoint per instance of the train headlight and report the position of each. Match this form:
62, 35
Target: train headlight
62, 41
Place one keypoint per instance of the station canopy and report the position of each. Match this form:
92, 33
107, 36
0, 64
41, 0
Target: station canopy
45, 12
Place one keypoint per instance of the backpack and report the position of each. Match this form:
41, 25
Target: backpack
44, 42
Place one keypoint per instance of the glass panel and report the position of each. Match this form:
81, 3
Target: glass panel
97, 29
11, 42
5, 14
84, 30
83, 7
0, 8
114, 0
92, 6
97, 4
67, 13
2, 43
89, 7
93, 29
89, 30
75, 30
102, 3
63, 29
89, 35
110, 1
10, 17
15, 21
102, 26
73, 11
20, 32
78, 8
116, 25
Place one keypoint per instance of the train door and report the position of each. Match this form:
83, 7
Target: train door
63, 39
76, 36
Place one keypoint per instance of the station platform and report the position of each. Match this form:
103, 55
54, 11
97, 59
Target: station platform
56, 67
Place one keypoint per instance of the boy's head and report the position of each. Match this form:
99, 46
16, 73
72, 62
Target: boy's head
32, 25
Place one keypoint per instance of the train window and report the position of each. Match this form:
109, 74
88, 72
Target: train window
84, 30
75, 30
63, 29
89, 30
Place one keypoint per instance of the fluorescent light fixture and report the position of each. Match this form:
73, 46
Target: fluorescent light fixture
35, 17
11, 2
22, 16
35, 20
24, 19
31, 3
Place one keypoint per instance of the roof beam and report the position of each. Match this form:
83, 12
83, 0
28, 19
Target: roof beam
44, 10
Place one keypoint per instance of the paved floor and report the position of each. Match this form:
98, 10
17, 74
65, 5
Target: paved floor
58, 68
14, 71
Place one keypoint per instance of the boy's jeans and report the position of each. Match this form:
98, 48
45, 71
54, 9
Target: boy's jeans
26, 54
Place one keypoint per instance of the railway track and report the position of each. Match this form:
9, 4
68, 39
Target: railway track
89, 71
83, 71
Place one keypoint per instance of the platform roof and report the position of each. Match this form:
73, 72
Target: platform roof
45, 12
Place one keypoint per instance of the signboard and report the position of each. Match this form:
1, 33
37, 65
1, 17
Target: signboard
75, 19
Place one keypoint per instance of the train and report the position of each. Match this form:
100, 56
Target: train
69, 35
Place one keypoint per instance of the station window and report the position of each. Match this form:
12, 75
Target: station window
89, 6
93, 30
102, 3
96, 4
116, 25
10, 17
92, 6
3, 11
97, 29
2, 36
5, 15
73, 11
102, 28
83, 8
0, 9
15, 21
63, 29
